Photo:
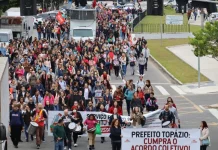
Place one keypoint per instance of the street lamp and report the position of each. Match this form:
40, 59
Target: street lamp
199, 61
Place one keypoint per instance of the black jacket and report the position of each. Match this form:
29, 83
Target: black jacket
167, 116
26, 117
112, 118
115, 134
136, 103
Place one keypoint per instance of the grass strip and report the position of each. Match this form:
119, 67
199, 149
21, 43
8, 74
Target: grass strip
177, 67
152, 24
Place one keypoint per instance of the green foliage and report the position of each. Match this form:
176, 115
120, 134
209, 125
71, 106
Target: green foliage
12, 3
205, 41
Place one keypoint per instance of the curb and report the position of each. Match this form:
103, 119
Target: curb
165, 70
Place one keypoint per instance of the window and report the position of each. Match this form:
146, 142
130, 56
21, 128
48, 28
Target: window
4, 37
82, 33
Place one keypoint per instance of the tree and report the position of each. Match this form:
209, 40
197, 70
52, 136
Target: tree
12, 3
205, 41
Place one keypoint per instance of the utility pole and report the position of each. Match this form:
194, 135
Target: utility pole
199, 61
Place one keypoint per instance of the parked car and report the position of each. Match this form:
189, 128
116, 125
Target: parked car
213, 17
170, 3
130, 6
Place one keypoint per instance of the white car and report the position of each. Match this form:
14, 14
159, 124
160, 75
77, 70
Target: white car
130, 6
112, 7
170, 3
36, 20
213, 17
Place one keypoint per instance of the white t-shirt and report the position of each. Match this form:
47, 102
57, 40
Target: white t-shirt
86, 93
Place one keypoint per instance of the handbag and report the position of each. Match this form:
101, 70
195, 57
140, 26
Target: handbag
98, 129
206, 142
132, 63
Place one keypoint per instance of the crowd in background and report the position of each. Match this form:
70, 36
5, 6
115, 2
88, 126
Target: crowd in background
54, 72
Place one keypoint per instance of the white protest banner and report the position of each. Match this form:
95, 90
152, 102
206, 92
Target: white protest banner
160, 139
103, 118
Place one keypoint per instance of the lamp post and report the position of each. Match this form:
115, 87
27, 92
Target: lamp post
199, 61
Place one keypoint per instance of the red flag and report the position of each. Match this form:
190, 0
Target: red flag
94, 3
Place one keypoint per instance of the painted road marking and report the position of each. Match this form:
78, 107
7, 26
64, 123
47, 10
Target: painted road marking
113, 88
202, 107
177, 89
196, 107
214, 112
162, 90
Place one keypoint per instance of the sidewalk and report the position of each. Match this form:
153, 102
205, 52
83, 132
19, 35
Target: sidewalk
209, 68
197, 22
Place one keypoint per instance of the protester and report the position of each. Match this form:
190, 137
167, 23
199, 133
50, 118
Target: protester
39, 115
59, 135
78, 120
151, 104
26, 117
174, 111
205, 141
136, 117
16, 124
91, 122
167, 115
67, 119
115, 134
129, 97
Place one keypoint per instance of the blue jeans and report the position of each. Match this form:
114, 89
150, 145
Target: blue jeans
141, 69
59, 145
123, 70
26, 133
39, 35
128, 106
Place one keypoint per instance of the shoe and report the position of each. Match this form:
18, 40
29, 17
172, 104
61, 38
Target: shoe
43, 141
75, 145
27, 140
65, 147
20, 141
38, 147
15, 146
93, 147
90, 147
69, 149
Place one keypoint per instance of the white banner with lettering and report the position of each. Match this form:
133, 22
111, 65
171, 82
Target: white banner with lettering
161, 139
103, 118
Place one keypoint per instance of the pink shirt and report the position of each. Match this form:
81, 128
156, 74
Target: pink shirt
90, 123
20, 72
50, 99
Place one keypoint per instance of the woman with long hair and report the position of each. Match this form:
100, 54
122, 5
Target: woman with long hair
48, 82
115, 134
148, 89
129, 97
141, 96
204, 135
136, 102
115, 105
91, 122
136, 117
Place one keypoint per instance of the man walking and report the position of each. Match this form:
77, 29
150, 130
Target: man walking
146, 54
39, 115
59, 135
67, 119
16, 124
